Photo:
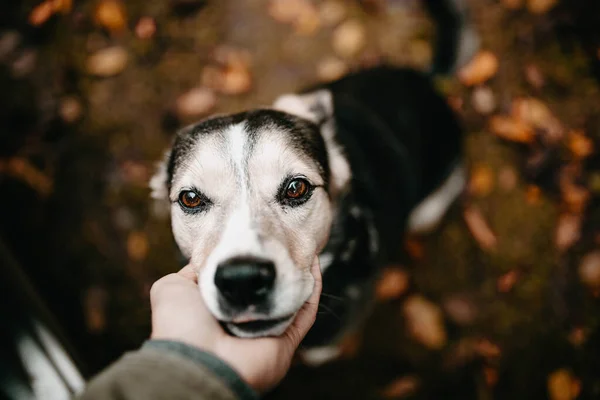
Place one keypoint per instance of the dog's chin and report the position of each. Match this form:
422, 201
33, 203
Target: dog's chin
260, 328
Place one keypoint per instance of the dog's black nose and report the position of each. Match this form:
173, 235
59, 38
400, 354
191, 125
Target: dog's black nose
245, 281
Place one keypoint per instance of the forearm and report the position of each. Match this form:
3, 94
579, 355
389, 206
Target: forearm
168, 370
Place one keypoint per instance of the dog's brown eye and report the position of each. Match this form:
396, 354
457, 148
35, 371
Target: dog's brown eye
296, 189
190, 199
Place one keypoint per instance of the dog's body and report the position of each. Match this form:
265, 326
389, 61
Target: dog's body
340, 170
402, 145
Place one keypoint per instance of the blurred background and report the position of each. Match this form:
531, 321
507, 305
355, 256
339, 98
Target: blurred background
501, 301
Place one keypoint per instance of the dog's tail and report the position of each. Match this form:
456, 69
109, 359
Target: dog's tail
456, 39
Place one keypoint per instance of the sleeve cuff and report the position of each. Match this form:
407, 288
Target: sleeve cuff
241, 389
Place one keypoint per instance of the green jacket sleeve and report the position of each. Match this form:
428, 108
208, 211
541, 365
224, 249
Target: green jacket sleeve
168, 370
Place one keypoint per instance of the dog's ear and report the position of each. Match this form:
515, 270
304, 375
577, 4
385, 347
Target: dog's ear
158, 183
317, 107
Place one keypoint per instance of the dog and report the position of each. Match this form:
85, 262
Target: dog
341, 170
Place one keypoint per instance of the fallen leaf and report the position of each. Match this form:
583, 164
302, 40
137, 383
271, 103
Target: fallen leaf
540, 6
589, 270
580, 145
331, 68
414, 248
145, 28
485, 348
94, 305
110, 15
578, 336
479, 228
562, 385
490, 375
483, 100
425, 322
513, 4
401, 387
195, 102
349, 38
481, 182
533, 195
392, 284
332, 12
70, 109
107, 62
507, 178
350, 345
535, 113
511, 129
137, 246
21, 169
534, 76
461, 309
480, 69
41, 13
568, 231
506, 282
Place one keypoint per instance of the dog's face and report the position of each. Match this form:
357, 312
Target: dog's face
250, 208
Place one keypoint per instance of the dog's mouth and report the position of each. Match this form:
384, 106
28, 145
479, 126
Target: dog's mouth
259, 327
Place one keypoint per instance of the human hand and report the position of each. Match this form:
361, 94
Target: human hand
179, 313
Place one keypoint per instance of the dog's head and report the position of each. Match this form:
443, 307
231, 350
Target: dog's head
250, 199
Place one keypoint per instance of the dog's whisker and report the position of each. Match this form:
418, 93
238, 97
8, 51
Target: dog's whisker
331, 296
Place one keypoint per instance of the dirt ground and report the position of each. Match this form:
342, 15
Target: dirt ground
501, 301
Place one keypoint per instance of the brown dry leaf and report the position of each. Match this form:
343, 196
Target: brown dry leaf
513, 4
107, 62
535, 113
575, 197
578, 336
145, 28
568, 231
331, 68
70, 109
533, 195
392, 284
479, 228
111, 15
62, 6
562, 385
137, 246
350, 345
487, 349
21, 169
511, 129
540, 6
401, 387
425, 322
507, 178
332, 12
302, 14
456, 103
414, 248
580, 145
481, 182
94, 304
480, 69
589, 270
41, 13
195, 102
490, 375
506, 282
534, 76
460, 309
483, 100
236, 80
349, 38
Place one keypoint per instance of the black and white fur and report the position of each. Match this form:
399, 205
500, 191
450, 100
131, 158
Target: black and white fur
382, 153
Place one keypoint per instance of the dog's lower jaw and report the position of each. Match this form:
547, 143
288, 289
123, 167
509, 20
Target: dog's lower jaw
275, 330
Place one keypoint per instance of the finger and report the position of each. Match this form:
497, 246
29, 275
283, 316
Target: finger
306, 316
189, 273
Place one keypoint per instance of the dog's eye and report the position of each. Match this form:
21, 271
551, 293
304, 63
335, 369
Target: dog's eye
192, 200
297, 189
